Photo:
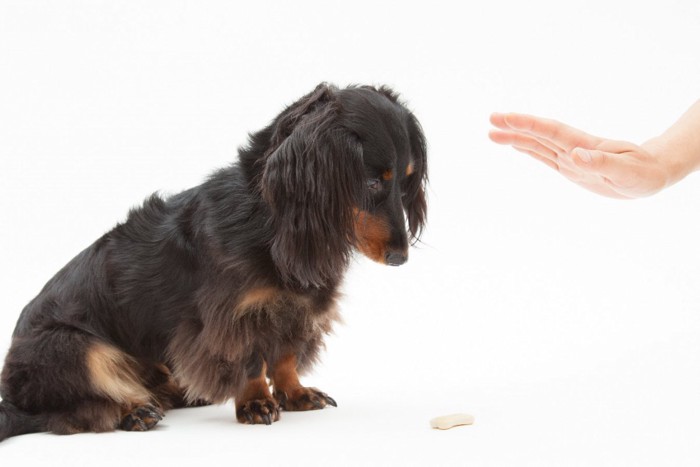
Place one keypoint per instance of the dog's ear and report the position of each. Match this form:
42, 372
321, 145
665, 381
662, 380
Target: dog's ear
313, 182
414, 199
285, 123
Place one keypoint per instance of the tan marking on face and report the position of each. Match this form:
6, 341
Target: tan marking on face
372, 235
388, 175
409, 169
114, 374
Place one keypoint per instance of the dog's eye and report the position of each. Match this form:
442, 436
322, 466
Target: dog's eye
373, 184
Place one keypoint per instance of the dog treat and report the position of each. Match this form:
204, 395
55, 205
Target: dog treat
449, 421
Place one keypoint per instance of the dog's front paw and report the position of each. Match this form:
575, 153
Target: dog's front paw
303, 399
141, 418
257, 411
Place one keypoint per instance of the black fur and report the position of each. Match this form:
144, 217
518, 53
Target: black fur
194, 295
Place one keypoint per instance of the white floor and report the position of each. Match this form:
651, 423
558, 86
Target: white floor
600, 421
548, 386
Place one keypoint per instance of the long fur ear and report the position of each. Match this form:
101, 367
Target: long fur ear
285, 123
414, 201
313, 182
414, 198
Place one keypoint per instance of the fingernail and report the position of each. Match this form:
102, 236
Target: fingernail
584, 155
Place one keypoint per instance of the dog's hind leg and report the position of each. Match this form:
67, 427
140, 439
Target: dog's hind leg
120, 378
78, 383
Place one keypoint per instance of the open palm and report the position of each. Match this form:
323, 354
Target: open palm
617, 169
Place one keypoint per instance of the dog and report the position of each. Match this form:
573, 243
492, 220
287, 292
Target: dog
225, 290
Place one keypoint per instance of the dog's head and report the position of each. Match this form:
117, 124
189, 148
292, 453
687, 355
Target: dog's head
344, 169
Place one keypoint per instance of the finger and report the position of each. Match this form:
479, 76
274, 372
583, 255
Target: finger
553, 147
548, 162
497, 119
522, 141
558, 133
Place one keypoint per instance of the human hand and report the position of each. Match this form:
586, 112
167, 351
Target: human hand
617, 169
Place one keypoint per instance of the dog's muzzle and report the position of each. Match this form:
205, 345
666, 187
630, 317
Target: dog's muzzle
394, 258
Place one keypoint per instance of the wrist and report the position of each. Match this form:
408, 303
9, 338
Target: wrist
678, 148
676, 162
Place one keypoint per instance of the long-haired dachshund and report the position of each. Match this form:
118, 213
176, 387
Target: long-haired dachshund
203, 296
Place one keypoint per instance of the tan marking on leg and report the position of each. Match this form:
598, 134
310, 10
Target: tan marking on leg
255, 404
113, 375
284, 376
289, 391
388, 174
256, 388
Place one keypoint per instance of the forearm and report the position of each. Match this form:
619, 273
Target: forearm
678, 148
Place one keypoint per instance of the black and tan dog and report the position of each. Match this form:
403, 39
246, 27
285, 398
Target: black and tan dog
203, 296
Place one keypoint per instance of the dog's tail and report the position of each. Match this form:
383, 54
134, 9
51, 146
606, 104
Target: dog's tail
15, 422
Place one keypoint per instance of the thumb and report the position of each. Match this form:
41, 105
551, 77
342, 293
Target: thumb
615, 168
594, 160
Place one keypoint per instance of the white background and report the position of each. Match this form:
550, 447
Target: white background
567, 323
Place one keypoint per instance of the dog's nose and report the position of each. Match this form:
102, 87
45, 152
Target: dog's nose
395, 258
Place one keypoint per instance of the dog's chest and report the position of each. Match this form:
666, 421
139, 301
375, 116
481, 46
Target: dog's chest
283, 314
